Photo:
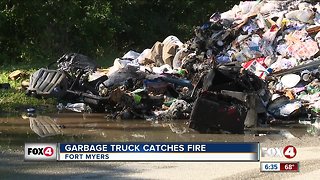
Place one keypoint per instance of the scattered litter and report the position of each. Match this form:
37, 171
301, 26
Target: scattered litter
16, 74
31, 112
139, 136
25, 84
76, 107
4, 86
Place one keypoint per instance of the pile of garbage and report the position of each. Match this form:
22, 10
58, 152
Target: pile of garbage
257, 63
278, 41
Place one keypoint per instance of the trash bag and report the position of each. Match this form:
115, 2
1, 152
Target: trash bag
128, 74
73, 61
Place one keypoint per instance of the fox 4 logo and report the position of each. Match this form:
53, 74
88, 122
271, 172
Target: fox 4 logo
40, 151
47, 151
288, 152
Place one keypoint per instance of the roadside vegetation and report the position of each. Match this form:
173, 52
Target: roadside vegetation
33, 31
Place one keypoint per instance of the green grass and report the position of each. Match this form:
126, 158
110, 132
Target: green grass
15, 101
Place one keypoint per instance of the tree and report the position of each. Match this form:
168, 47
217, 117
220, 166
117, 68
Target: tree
45, 29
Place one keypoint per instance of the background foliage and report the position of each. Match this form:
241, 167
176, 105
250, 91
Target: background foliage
42, 30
